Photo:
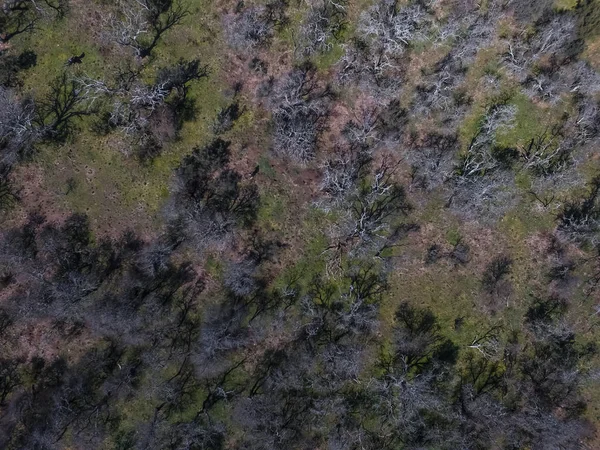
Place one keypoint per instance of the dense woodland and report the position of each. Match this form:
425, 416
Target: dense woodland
299, 224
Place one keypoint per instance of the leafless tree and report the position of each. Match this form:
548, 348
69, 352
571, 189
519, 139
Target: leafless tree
58, 110
227, 116
239, 277
587, 120
17, 129
59, 7
549, 79
136, 108
140, 24
478, 159
10, 378
392, 30
371, 216
255, 26
300, 107
579, 219
23, 16
402, 402
375, 59
248, 29
482, 187
333, 316
431, 159
553, 36
210, 199
487, 198
9, 194
438, 94
488, 344
546, 153
323, 24
343, 170
381, 201
296, 129
581, 78
476, 31
130, 104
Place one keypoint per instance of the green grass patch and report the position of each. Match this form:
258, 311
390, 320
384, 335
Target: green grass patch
565, 5
530, 121
266, 168
326, 60
111, 185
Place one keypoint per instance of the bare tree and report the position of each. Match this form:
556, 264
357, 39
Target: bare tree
58, 110
332, 316
372, 216
23, 16
579, 218
431, 159
300, 107
149, 114
541, 62
60, 7
227, 116
10, 377
239, 278
209, 198
17, 129
495, 272
486, 199
343, 170
387, 32
323, 24
255, 26
403, 404
546, 154
140, 24
587, 120
483, 186
392, 30
296, 129
9, 194
478, 159
378, 203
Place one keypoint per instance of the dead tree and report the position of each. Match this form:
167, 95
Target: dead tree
17, 129
142, 23
323, 25
58, 110
255, 26
300, 107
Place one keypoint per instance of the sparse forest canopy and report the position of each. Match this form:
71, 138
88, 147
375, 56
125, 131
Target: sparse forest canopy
299, 224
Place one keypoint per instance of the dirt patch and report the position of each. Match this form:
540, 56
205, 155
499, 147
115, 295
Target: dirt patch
45, 339
35, 197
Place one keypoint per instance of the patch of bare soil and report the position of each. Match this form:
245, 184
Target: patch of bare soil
46, 339
35, 197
